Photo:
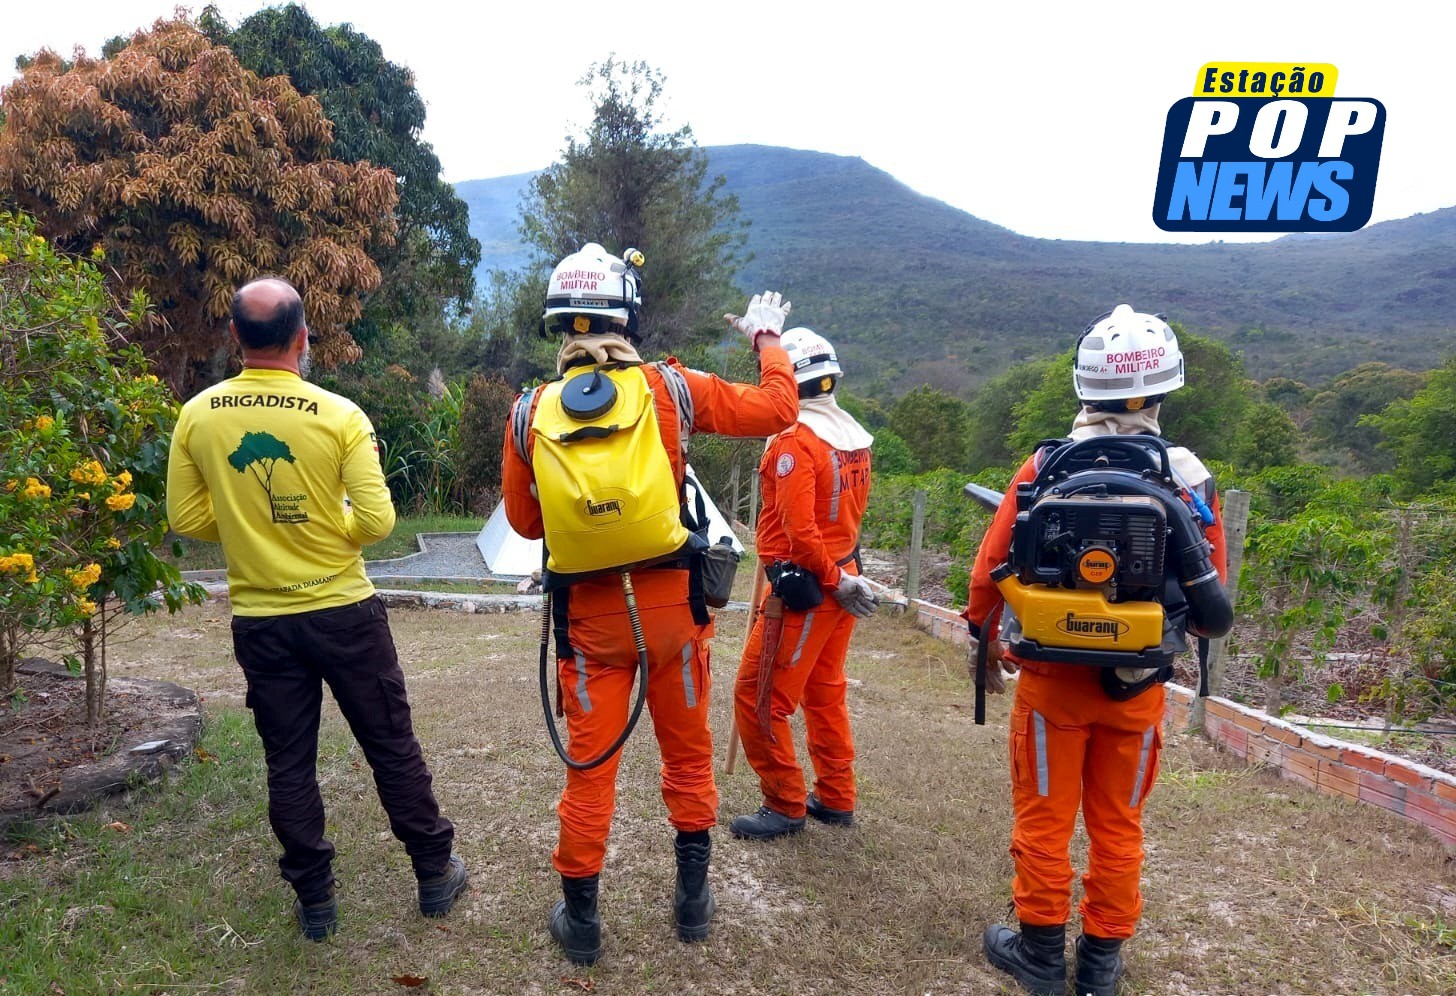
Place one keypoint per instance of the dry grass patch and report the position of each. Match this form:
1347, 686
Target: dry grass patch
1252, 885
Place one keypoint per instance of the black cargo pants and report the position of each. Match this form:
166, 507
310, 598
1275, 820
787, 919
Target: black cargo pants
285, 660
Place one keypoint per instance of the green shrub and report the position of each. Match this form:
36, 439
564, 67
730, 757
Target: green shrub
84, 458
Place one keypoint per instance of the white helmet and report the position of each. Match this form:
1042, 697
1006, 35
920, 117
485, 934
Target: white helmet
1126, 354
811, 355
596, 287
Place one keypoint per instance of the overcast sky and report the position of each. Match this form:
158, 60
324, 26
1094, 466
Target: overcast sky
1045, 118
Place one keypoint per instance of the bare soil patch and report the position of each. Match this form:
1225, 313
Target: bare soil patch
51, 760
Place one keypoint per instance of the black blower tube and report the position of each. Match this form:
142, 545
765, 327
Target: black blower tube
1210, 613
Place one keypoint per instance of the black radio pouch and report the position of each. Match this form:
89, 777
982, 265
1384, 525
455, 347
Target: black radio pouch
796, 585
719, 566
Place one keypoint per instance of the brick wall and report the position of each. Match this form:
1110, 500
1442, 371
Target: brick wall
1323, 764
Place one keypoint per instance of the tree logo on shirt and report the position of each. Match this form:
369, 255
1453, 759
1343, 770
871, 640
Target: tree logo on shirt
259, 453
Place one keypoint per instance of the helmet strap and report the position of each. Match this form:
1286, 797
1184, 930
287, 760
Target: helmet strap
1125, 404
819, 385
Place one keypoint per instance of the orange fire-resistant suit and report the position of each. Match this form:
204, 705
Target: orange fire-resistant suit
596, 676
1072, 744
814, 497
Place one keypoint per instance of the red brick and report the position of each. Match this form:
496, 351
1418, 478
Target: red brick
1381, 791
1234, 739
1445, 789
1362, 760
1324, 751
1262, 750
1336, 779
1432, 813
1301, 765
1219, 707
1283, 734
1252, 722
1401, 772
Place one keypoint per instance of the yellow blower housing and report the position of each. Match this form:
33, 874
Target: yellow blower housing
1080, 626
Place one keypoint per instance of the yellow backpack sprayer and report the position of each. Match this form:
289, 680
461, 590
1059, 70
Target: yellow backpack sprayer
1108, 565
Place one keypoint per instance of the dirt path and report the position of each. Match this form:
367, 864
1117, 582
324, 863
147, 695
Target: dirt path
1252, 884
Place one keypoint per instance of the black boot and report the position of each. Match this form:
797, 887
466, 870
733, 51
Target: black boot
1036, 956
766, 824
1099, 965
574, 920
692, 903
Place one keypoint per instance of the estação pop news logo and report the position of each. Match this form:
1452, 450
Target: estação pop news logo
1268, 147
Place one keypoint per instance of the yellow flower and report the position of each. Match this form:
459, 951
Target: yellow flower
18, 563
90, 472
83, 495
121, 481
11, 485
87, 606
112, 543
85, 577
120, 503
44, 422
35, 489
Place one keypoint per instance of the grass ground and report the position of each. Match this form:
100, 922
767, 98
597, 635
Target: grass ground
198, 555
1252, 885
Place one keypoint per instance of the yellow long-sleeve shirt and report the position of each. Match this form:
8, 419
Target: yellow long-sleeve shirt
262, 464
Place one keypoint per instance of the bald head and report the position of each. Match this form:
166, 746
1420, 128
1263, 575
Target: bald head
267, 314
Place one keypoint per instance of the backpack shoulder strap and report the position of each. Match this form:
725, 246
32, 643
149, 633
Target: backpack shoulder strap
682, 400
1044, 449
521, 422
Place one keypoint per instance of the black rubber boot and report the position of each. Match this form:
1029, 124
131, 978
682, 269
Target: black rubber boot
1099, 965
439, 892
822, 813
574, 920
1036, 956
692, 903
319, 920
766, 824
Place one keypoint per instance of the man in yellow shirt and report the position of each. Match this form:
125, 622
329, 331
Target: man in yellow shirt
286, 476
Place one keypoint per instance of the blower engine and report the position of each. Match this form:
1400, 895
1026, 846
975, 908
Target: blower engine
1087, 574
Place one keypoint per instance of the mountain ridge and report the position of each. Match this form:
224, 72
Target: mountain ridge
913, 290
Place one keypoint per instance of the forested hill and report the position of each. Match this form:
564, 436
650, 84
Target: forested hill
917, 291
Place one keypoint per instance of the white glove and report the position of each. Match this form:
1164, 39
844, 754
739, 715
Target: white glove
767, 312
856, 596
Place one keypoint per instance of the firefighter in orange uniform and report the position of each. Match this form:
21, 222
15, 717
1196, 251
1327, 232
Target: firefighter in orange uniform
1085, 736
593, 299
816, 482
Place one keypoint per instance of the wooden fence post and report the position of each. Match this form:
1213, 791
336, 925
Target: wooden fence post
1235, 507
733, 509
917, 540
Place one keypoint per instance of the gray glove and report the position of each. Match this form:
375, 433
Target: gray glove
856, 596
999, 667
767, 312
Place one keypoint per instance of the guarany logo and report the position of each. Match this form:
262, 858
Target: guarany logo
1096, 566
612, 506
1095, 627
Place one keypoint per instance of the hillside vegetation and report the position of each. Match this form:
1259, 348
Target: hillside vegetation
918, 292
